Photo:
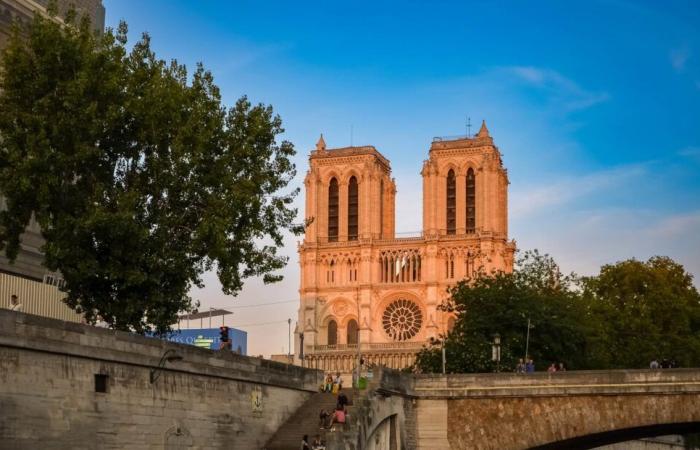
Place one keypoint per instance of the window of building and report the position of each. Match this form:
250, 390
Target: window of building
352, 332
333, 207
101, 382
353, 203
471, 201
449, 266
451, 203
332, 333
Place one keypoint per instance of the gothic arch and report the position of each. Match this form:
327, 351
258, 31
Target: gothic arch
330, 174
445, 168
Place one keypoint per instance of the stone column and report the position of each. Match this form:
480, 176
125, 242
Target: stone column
461, 186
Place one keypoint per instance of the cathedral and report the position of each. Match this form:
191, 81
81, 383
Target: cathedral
360, 283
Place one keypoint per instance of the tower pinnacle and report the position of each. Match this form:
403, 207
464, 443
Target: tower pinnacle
483, 131
321, 144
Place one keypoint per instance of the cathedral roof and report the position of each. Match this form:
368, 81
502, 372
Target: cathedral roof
323, 152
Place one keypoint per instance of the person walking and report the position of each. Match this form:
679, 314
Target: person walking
520, 367
552, 368
305, 443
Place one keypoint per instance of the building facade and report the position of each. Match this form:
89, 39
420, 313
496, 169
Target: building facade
362, 283
37, 288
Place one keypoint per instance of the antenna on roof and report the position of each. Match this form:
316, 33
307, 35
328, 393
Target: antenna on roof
469, 126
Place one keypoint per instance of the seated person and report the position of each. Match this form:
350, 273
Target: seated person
323, 418
337, 417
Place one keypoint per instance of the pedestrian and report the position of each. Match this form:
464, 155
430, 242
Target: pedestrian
15, 305
323, 418
318, 444
654, 364
552, 368
561, 367
329, 383
530, 366
305, 443
339, 381
520, 368
342, 400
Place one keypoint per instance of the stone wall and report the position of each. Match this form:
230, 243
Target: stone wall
49, 374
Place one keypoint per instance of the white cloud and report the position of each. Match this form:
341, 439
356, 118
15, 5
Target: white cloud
531, 199
570, 94
584, 240
679, 57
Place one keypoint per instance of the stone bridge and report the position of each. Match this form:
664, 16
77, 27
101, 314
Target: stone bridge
564, 410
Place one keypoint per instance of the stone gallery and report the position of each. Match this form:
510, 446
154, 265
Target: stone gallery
360, 282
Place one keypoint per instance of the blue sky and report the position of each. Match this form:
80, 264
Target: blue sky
595, 106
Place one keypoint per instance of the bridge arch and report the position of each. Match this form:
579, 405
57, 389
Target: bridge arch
621, 435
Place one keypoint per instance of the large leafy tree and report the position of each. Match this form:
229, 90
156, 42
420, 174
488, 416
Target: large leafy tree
644, 310
627, 315
139, 177
502, 303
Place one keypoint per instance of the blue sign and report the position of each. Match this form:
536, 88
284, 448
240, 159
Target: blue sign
209, 338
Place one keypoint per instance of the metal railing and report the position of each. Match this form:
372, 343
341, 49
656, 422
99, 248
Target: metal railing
456, 137
370, 346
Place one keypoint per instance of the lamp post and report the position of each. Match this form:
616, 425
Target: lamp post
169, 356
289, 340
301, 348
496, 351
527, 340
444, 357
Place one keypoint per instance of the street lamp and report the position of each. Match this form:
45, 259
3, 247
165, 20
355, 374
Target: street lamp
301, 348
496, 351
289, 341
169, 356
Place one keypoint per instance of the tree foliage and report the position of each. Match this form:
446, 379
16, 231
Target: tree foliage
139, 177
649, 310
629, 314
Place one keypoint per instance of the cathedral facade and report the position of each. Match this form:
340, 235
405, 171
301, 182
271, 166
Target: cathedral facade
360, 283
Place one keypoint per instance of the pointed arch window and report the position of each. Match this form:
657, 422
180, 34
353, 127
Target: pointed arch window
471, 201
353, 207
451, 203
352, 332
332, 333
333, 206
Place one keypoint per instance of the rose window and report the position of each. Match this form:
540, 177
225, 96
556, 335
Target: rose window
402, 320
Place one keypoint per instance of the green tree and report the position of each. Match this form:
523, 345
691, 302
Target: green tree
502, 303
648, 310
138, 176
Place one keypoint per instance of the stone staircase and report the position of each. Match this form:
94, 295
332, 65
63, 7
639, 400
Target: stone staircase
305, 421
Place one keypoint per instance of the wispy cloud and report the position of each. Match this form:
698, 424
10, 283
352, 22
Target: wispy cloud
565, 90
679, 57
692, 153
529, 200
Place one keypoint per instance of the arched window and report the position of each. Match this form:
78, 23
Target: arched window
332, 333
471, 201
353, 202
333, 206
352, 332
451, 203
